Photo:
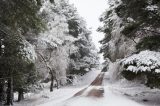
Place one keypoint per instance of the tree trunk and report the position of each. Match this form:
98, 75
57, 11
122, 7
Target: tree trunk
52, 80
10, 92
20, 95
2, 92
57, 83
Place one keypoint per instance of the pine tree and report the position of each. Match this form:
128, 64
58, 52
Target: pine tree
21, 15
66, 32
131, 27
124, 22
142, 24
16, 18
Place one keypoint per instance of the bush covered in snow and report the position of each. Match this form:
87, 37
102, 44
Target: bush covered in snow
146, 63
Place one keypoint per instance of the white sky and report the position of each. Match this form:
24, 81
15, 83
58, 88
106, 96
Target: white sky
91, 10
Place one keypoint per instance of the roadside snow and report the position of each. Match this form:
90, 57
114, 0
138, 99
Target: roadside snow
137, 92
46, 98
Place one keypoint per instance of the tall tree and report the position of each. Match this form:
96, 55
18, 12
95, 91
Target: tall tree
21, 15
16, 19
131, 27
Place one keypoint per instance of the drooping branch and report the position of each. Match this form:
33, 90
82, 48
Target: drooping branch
151, 31
45, 61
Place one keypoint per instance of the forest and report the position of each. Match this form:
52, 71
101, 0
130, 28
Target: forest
46, 46
41, 41
132, 39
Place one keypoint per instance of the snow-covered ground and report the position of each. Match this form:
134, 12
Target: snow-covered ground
121, 93
110, 98
47, 98
137, 92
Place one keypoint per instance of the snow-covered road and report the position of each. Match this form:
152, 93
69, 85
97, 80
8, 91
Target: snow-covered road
98, 93
95, 89
88, 97
109, 99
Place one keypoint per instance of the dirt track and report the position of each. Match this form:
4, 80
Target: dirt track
95, 89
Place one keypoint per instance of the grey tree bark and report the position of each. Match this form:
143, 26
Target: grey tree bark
10, 91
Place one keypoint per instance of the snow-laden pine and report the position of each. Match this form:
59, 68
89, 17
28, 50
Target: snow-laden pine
131, 28
65, 47
114, 45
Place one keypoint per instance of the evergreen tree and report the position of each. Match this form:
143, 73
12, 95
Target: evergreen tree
141, 19
130, 27
16, 19
66, 32
21, 15
135, 20
114, 44
84, 58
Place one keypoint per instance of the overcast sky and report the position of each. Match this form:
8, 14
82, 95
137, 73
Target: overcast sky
91, 10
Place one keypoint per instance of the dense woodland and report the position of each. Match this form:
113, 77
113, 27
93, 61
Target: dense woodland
132, 39
47, 41
41, 41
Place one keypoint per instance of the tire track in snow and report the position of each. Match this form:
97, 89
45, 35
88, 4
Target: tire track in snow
94, 90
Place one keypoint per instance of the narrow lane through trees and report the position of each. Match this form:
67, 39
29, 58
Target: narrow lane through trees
95, 89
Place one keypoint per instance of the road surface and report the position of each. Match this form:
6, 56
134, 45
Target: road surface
95, 89
98, 93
